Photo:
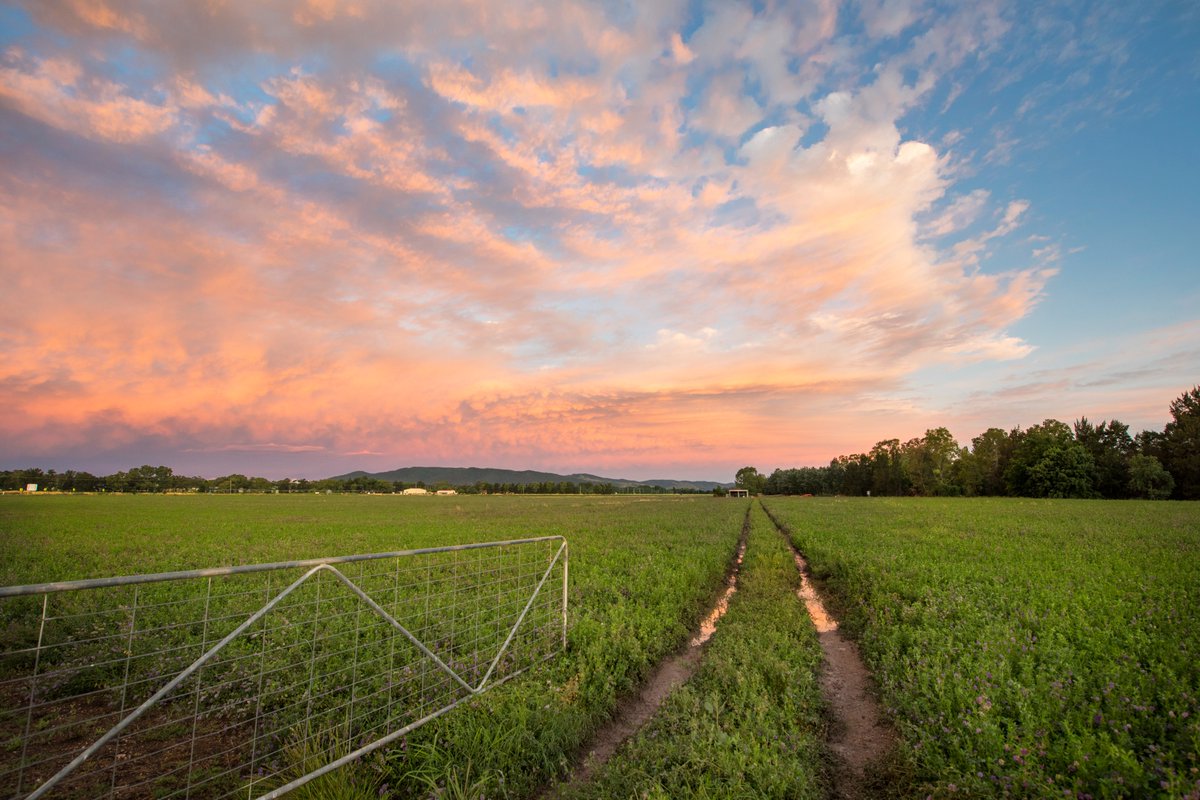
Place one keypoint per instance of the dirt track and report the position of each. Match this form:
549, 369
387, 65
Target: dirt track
859, 737
634, 712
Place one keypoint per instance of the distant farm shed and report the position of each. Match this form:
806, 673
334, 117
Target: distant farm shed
446, 492
415, 490
739, 492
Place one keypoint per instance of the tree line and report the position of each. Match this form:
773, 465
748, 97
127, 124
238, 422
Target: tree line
1053, 459
161, 479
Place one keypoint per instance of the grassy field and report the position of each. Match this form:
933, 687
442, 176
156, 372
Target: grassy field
750, 723
1024, 648
643, 571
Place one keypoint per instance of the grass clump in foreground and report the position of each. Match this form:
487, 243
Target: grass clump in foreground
1024, 648
749, 723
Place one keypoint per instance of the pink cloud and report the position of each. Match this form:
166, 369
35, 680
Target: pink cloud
507, 89
56, 92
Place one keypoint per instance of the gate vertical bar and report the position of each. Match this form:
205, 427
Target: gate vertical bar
199, 680
312, 665
37, 660
477, 614
500, 595
566, 564
426, 627
125, 683
354, 670
391, 675
262, 667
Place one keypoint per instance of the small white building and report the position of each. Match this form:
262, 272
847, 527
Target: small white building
415, 490
447, 492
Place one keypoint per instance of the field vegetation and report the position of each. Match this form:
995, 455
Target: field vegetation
749, 724
643, 571
1024, 648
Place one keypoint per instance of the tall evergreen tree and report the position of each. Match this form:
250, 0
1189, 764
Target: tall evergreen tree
1181, 445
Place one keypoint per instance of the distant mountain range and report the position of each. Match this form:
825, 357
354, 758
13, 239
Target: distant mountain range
468, 476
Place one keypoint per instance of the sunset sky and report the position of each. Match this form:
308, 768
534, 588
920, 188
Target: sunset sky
645, 239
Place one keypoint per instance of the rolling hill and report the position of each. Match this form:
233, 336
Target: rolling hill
467, 476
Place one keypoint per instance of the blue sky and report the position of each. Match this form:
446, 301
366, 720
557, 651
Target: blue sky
668, 239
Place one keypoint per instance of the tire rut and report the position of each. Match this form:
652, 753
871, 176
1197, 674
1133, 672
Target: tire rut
635, 711
860, 737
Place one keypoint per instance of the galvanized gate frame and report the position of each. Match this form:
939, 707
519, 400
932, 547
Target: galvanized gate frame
316, 566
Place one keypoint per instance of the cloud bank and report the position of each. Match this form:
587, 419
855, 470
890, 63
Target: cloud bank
565, 236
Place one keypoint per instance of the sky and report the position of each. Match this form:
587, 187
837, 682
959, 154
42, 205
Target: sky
637, 239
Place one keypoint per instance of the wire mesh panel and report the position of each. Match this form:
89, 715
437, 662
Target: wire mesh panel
249, 681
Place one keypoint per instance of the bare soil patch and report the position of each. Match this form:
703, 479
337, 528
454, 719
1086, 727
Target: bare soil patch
154, 756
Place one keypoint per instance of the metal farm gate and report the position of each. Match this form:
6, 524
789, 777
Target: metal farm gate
249, 681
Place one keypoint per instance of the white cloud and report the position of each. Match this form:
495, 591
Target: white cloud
886, 18
959, 214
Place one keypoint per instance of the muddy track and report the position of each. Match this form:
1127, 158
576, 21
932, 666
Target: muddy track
860, 737
636, 710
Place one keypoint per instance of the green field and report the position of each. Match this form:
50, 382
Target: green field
643, 572
1022, 648
749, 724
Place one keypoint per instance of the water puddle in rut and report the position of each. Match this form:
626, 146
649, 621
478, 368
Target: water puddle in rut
634, 712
